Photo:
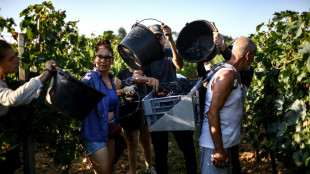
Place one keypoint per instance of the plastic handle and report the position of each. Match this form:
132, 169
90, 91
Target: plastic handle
214, 27
150, 19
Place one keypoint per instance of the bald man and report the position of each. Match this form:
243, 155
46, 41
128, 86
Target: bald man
224, 110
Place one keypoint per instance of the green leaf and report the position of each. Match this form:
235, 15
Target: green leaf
50, 34
298, 128
29, 33
259, 57
296, 157
298, 109
279, 104
281, 129
301, 76
272, 128
24, 12
304, 48
259, 26
40, 58
299, 29
259, 75
297, 138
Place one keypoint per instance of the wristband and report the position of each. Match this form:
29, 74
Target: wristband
48, 70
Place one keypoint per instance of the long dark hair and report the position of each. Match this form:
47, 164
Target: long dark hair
106, 43
4, 47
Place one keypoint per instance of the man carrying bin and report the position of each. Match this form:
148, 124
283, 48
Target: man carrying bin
162, 71
224, 110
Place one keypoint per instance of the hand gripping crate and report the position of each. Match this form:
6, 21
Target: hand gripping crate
179, 112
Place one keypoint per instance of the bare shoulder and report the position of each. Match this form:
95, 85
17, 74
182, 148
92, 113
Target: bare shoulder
224, 79
225, 74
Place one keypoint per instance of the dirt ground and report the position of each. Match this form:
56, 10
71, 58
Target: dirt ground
44, 164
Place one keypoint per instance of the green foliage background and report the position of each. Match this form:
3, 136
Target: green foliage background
277, 106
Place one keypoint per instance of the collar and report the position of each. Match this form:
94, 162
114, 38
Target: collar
99, 75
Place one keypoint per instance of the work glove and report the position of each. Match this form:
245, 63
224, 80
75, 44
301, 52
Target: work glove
129, 89
218, 39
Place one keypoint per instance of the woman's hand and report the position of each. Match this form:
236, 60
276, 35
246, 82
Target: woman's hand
129, 89
47, 73
49, 65
154, 83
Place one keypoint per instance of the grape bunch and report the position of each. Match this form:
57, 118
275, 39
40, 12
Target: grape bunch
201, 48
181, 86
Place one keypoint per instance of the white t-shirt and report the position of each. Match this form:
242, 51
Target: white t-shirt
230, 117
22, 95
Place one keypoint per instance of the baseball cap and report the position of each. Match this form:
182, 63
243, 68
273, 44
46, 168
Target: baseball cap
156, 29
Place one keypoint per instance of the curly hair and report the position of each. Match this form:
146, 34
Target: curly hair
106, 43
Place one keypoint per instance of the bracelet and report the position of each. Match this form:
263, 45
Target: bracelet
48, 71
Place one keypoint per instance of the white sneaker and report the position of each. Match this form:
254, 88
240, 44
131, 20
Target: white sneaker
151, 170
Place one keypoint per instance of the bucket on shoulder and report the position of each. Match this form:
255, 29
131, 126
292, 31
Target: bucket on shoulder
140, 47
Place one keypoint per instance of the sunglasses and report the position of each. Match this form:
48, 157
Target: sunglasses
105, 58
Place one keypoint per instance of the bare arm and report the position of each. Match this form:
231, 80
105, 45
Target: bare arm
138, 78
221, 89
48, 73
177, 60
118, 85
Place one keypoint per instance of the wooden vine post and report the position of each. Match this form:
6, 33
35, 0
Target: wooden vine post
28, 141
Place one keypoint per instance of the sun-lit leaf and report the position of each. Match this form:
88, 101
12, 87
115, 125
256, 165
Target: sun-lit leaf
29, 33
297, 138
297, 110
279, 104
307, 67
304, 48
259, 26
299, 29
307, 162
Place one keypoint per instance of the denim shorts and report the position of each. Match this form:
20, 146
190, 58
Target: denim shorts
92, 146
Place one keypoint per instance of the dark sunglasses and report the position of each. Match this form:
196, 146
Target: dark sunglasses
105, 58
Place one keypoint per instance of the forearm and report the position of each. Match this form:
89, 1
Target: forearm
44, 76
118, 85
177, 60
215, 130
138, 79
22, 95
